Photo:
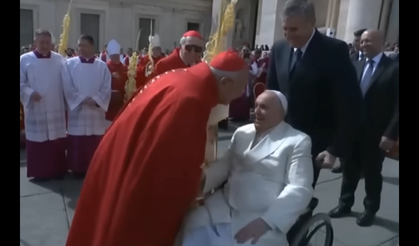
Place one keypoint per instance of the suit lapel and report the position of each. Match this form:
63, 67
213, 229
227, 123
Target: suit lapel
267, 145
286, 60
380, 69
306, 60
359, 67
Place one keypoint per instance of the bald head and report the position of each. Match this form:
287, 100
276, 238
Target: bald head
372, 43
269, 110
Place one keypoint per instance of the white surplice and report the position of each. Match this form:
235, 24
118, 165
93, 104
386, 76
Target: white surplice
82, 80
44, 120
273, 181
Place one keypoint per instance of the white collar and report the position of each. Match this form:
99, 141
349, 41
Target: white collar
304, 48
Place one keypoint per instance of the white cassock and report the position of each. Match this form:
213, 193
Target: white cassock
44, 120
83, 78
269, 179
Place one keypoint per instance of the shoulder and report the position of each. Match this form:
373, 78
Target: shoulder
57, 56
26, 56
101, 63
279, 45
334, 44
244, 130
72, 60
297, 137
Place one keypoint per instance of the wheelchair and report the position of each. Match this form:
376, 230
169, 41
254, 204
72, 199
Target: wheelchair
308, 225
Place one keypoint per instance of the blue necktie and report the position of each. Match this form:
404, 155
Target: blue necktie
365, 82
298, 54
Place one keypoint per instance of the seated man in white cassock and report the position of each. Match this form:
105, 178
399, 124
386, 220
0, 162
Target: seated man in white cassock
269, 174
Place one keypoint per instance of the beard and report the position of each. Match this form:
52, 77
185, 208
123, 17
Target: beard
217, 114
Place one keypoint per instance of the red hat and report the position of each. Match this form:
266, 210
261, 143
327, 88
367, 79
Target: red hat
228, 61
194, 34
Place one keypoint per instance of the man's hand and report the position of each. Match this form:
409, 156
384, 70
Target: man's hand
115, 75
36, 96
326, 160
254, 230
89, 101
387, 144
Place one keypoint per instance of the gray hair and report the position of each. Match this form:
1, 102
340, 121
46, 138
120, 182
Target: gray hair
304, 8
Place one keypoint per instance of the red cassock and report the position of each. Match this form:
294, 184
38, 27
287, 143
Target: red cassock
140, 78
118, 89
172, 61
146, 172
126, 60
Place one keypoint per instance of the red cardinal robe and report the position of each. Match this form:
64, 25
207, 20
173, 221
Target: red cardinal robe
146, 172
118, 89
172, 61
126, 60
140, 78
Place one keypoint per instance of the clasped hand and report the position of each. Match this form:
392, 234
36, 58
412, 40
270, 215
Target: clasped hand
326, 160
252, 231
89, 101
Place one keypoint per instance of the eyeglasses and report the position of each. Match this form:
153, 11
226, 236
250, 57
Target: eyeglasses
196, 48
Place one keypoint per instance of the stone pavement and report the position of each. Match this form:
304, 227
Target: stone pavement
46, 209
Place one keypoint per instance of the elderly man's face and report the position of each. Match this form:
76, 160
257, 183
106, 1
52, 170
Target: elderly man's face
268, 111
371, 43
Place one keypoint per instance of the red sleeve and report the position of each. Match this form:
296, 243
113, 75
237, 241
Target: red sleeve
159, 68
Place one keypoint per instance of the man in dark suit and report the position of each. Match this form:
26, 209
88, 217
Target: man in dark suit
378, 78
315, 73
358, 54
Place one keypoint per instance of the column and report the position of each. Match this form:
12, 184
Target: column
393, 23
269, 24
216, 11
362, 14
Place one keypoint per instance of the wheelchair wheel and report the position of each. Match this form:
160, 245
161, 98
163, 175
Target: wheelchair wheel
319, 222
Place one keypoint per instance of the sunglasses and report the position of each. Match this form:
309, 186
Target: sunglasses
196, 48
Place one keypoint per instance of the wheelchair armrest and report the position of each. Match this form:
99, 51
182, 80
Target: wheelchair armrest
311, 206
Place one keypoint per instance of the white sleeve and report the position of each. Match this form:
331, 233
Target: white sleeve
103, 97
254, 68
73, 97
218, 171
298, 192
25, 90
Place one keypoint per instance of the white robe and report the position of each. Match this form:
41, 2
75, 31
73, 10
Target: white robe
82, 80
273, 181
44, 120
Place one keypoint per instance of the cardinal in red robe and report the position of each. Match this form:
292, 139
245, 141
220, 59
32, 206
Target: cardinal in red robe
119, 77
146, 172
192, 45
141, 76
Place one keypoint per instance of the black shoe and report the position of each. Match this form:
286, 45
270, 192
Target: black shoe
366, 219
339, 212
337, 169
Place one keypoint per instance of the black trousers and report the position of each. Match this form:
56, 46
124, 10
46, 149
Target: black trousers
367, 159
316, 171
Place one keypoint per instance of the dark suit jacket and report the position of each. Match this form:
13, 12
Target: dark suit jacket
380, 116
355, 56
324, 98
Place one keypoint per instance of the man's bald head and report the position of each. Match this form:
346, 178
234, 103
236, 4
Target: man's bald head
372, 43
269, 110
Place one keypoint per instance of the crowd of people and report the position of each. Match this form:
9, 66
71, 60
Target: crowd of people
143, 176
